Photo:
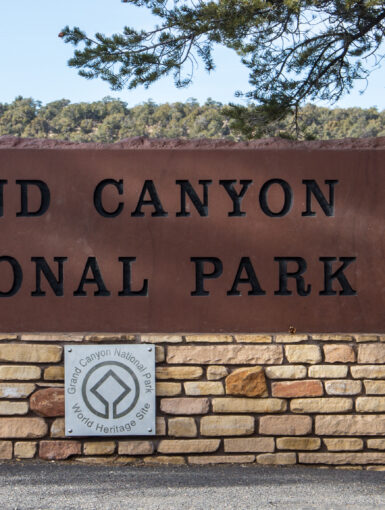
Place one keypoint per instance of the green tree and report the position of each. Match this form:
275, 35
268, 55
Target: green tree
295, 50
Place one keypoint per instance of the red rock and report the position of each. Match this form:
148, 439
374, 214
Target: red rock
297, 389
58, 450
48, 402
249, 382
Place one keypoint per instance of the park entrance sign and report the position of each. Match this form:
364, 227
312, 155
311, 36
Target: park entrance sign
192, 240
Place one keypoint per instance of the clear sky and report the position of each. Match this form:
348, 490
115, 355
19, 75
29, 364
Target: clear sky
33, 60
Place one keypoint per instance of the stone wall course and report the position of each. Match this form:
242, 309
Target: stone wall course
319, 400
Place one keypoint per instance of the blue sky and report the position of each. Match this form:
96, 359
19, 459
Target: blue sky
33, 60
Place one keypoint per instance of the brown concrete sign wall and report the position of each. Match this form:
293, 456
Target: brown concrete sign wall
192, 240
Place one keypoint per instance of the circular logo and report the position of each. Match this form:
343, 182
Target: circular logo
110, 390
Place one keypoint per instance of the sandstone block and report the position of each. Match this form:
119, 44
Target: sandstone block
11, 408
342, 458
16, 390
376, 444
370, 404
159, 354
51, 337
366, 338
221, 459
6, 450
48, 402
7, 336
290, 339
216, 372
343, 443
237, 354
100, 460
110, 337
339, 353
328, 371
227, 425
209, 338
253, 339
321, 405
188, 445
332, 338
286, 372
22, 427
277, 459
30, 353
99, 448
374, 468
184, 405
249, 382
167, 460
54, 373
375, 387
285, 425
161, 339
248, 405
297, 389
179, 372
371, 353
343, 387
303, 353
25, 449
249, 444
168, 389
19, 372
350, 425
160, 426
58, 450
298, 443
58, 428
135, 448
182, 427
368, 371
203, 388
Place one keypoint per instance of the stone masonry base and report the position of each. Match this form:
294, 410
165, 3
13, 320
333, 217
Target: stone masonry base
265, 399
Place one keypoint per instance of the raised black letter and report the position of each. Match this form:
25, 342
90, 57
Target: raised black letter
45, 197
97, 279
56, 284
98, 197
251, 279
329, 276
154, 201
201, 207
2, 182
236, 197
17, 276
313, 188
200, 275
127, 279
284, 275
288, 198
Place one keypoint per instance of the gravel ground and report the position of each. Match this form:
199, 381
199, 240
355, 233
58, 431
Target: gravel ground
52, 486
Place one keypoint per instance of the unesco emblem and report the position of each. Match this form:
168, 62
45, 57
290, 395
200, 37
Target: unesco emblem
105, 392
110, 390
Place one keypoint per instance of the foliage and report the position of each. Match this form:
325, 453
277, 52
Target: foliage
111, 120
295, 50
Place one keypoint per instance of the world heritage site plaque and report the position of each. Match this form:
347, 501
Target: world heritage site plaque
110, 390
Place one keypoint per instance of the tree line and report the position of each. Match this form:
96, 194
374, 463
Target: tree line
110, 120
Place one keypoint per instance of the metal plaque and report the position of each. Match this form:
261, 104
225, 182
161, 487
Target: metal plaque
192, 241
110, 390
